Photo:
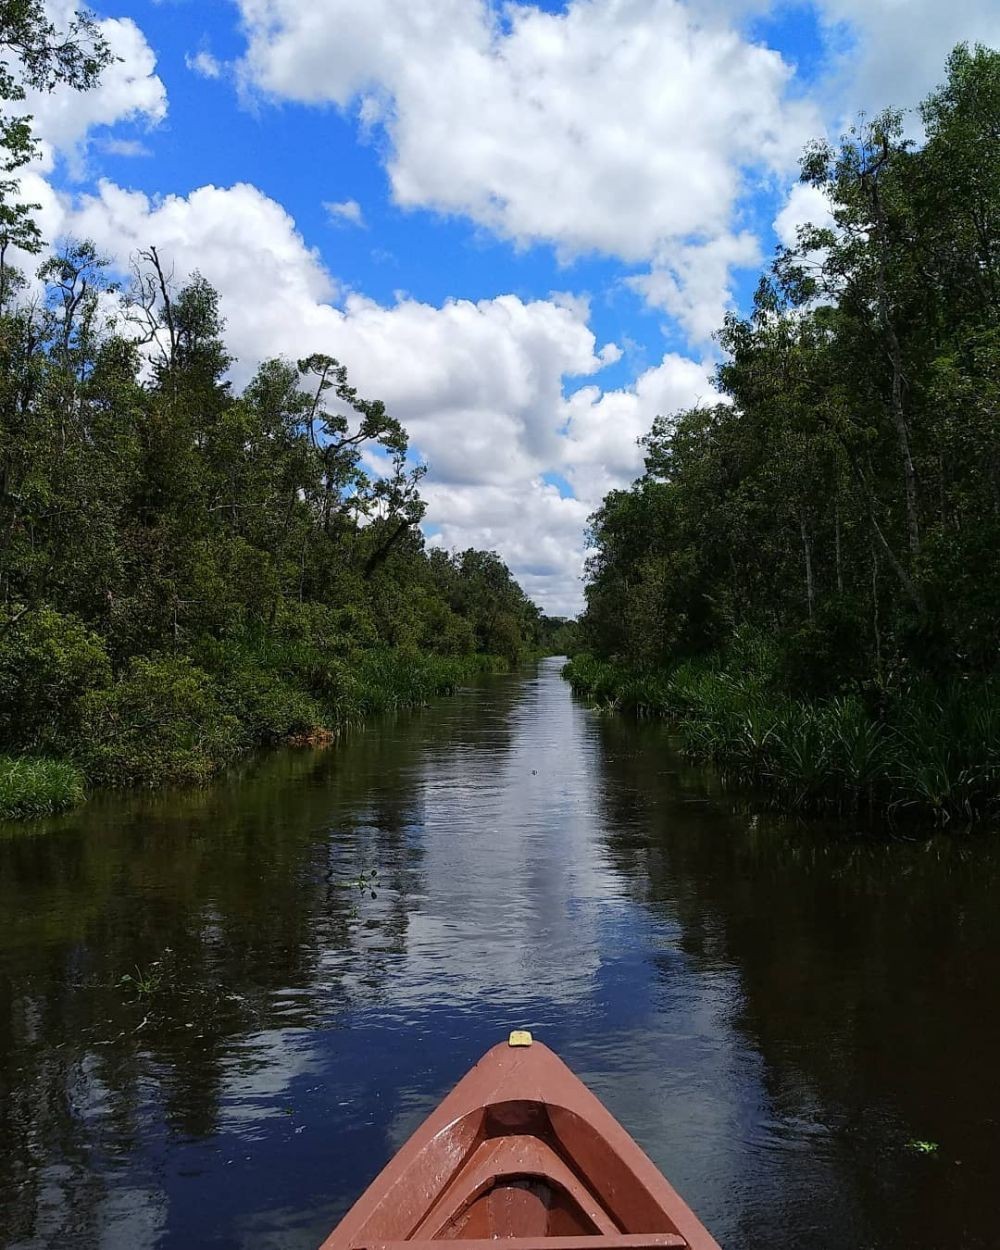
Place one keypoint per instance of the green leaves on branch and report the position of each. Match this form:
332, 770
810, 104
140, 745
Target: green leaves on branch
38, 56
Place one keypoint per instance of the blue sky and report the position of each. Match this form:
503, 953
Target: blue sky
540, 210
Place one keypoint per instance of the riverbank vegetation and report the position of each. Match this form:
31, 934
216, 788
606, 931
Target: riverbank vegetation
189, 570
806, 575
30, 788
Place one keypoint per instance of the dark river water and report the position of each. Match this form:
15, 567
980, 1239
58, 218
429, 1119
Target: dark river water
777, 1014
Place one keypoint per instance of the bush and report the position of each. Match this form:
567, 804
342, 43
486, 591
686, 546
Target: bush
30, 788
269, 708
336, 631
261, 681
826, 655
48, 661
162, 722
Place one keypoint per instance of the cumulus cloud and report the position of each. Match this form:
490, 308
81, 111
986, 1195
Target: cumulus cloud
537, 531
892, 54
806, 205
603, 428
624, 127
691, 282
128, 91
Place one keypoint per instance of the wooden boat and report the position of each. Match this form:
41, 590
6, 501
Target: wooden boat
521, 1151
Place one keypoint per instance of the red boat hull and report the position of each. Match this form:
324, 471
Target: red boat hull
521, 1151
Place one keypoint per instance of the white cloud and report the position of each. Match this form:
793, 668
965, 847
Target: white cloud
204, 64
603, 428
125, 147
128, 91
273, 285
624, 127
895, 51
692, 281
806, 206
345, 212
538, 533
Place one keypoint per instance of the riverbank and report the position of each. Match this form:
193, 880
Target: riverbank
928, 753
170, 721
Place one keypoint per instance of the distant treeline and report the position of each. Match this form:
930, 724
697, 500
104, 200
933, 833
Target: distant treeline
841, 506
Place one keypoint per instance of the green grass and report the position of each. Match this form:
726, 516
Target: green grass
390, 681
30, 788
932, 753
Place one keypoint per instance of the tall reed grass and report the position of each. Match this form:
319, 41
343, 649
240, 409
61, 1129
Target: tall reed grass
931, 752
34, 787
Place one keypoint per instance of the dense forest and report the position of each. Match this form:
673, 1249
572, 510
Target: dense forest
807, 575
187, 572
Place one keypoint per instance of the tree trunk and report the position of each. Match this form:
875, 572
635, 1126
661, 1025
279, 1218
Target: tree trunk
876, 628
906, 581
903, 437
836, 548
807, 552
381, 554
898, 376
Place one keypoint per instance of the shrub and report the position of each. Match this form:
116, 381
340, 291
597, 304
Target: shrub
932, 751
48, 661
270, 708
161, 722
337, 631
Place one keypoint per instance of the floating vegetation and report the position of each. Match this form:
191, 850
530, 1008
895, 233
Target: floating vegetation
143, 982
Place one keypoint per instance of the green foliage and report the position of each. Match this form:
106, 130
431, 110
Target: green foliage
269, 708
931, 753
161, 721
48, 661
190, 573
30, 788
558, 636
840, 512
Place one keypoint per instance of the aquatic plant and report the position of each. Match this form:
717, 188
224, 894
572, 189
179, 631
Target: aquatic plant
145, 982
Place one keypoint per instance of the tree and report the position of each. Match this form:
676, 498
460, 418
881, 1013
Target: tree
846, 498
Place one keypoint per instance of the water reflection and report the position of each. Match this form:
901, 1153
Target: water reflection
773, 1012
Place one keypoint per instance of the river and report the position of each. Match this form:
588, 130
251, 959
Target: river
211, 1034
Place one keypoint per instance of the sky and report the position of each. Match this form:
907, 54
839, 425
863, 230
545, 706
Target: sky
518, 224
